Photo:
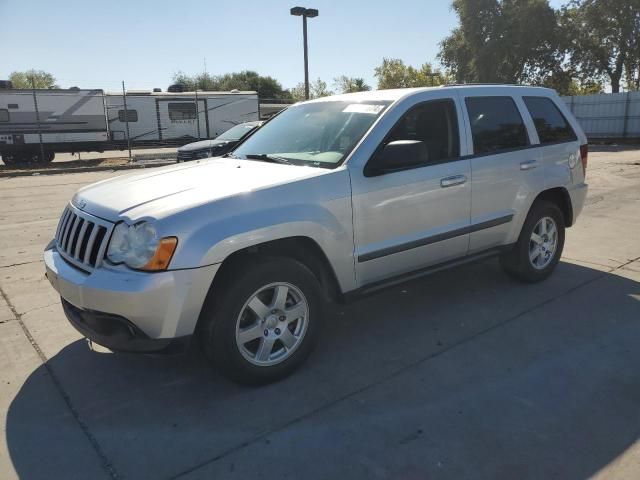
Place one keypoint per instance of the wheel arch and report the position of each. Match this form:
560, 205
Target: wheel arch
560, 197
301, 248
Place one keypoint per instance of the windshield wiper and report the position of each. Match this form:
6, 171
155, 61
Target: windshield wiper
230, 155
267, 158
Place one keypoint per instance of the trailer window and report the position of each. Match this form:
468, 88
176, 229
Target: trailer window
4, 115
182, 111
131, 114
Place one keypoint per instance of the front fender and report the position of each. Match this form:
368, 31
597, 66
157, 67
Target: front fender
320, 212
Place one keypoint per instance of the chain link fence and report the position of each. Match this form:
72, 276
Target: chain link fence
36, 124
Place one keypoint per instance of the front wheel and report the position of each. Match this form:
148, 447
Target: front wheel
539, 247
262, 322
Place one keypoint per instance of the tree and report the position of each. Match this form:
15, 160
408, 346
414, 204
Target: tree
41, 79
503, 41
267, 87
317, 89
604, 38
350, 84
393, 73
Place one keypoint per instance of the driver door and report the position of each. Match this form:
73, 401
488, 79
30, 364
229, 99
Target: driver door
413, 218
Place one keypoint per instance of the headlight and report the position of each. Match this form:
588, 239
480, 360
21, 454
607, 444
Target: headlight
139, 247
203, 154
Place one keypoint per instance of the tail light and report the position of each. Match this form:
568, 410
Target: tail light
584, 154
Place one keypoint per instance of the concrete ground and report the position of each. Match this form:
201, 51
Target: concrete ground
464, 374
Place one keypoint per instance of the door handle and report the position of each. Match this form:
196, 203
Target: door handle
529, 165
452, 181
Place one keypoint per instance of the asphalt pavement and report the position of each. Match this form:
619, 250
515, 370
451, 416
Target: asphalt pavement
463, 374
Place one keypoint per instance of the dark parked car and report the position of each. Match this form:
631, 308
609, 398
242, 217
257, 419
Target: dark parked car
219, 145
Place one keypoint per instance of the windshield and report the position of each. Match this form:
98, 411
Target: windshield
237, 132
318, 134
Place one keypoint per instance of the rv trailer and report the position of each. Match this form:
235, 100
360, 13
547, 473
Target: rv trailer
89, 120
65, 120
158, 118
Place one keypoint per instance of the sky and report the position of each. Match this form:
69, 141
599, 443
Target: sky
93, 44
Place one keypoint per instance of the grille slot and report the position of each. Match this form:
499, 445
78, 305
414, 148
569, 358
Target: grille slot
82, 238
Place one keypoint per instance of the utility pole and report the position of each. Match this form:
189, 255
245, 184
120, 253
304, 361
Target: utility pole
305, 13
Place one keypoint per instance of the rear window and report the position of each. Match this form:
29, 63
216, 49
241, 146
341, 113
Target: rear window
496, 124
551, 125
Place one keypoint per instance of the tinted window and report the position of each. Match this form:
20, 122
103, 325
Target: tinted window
4, 115
182, 111
496, 124
434, 123
132, 114
550, 123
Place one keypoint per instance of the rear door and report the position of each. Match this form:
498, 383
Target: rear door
504, 165
559, 145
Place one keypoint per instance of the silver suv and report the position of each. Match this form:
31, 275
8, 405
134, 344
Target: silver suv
330, 199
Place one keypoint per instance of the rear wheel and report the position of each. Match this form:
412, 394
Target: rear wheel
262, 323
539, 247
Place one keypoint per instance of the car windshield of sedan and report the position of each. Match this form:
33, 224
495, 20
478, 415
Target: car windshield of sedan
237, 132
319, 134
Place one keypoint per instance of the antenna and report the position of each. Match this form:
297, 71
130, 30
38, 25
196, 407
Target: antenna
205, 66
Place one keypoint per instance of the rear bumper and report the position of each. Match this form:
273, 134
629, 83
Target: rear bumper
578, 194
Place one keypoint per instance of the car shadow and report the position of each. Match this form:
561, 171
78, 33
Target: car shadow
545, 374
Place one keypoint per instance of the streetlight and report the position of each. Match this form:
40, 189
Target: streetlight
305, 13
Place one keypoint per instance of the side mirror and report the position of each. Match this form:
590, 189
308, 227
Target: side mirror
398, 155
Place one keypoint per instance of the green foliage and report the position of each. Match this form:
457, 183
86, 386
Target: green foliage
346, 84
267, 87
502, 41
603, 38
41, 79
317, 89
393, 73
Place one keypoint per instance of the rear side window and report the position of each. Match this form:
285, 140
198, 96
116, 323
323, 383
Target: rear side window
551, 125
496, 124
4, 115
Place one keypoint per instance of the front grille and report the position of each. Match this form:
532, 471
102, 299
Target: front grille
82, 238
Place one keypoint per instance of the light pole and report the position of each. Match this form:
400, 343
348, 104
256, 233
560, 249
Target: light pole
305, 13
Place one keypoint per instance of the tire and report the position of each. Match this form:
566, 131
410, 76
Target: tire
9, 159
227, 320
518, 263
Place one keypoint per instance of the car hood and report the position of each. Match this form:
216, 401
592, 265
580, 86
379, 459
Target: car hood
160, 192
201, 145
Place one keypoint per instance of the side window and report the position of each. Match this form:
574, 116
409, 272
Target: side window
131, 114
496, 124
4, 115
182, 111
436, 124
551, 125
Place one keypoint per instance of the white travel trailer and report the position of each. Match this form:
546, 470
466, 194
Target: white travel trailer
65, 120
177, 118
89, 120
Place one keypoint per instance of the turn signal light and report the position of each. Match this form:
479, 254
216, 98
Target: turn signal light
162, 257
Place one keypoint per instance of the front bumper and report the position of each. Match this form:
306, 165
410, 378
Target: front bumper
158, 306
119, 334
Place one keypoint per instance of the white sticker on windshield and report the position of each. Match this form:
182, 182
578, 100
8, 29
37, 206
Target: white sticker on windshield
363, 108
